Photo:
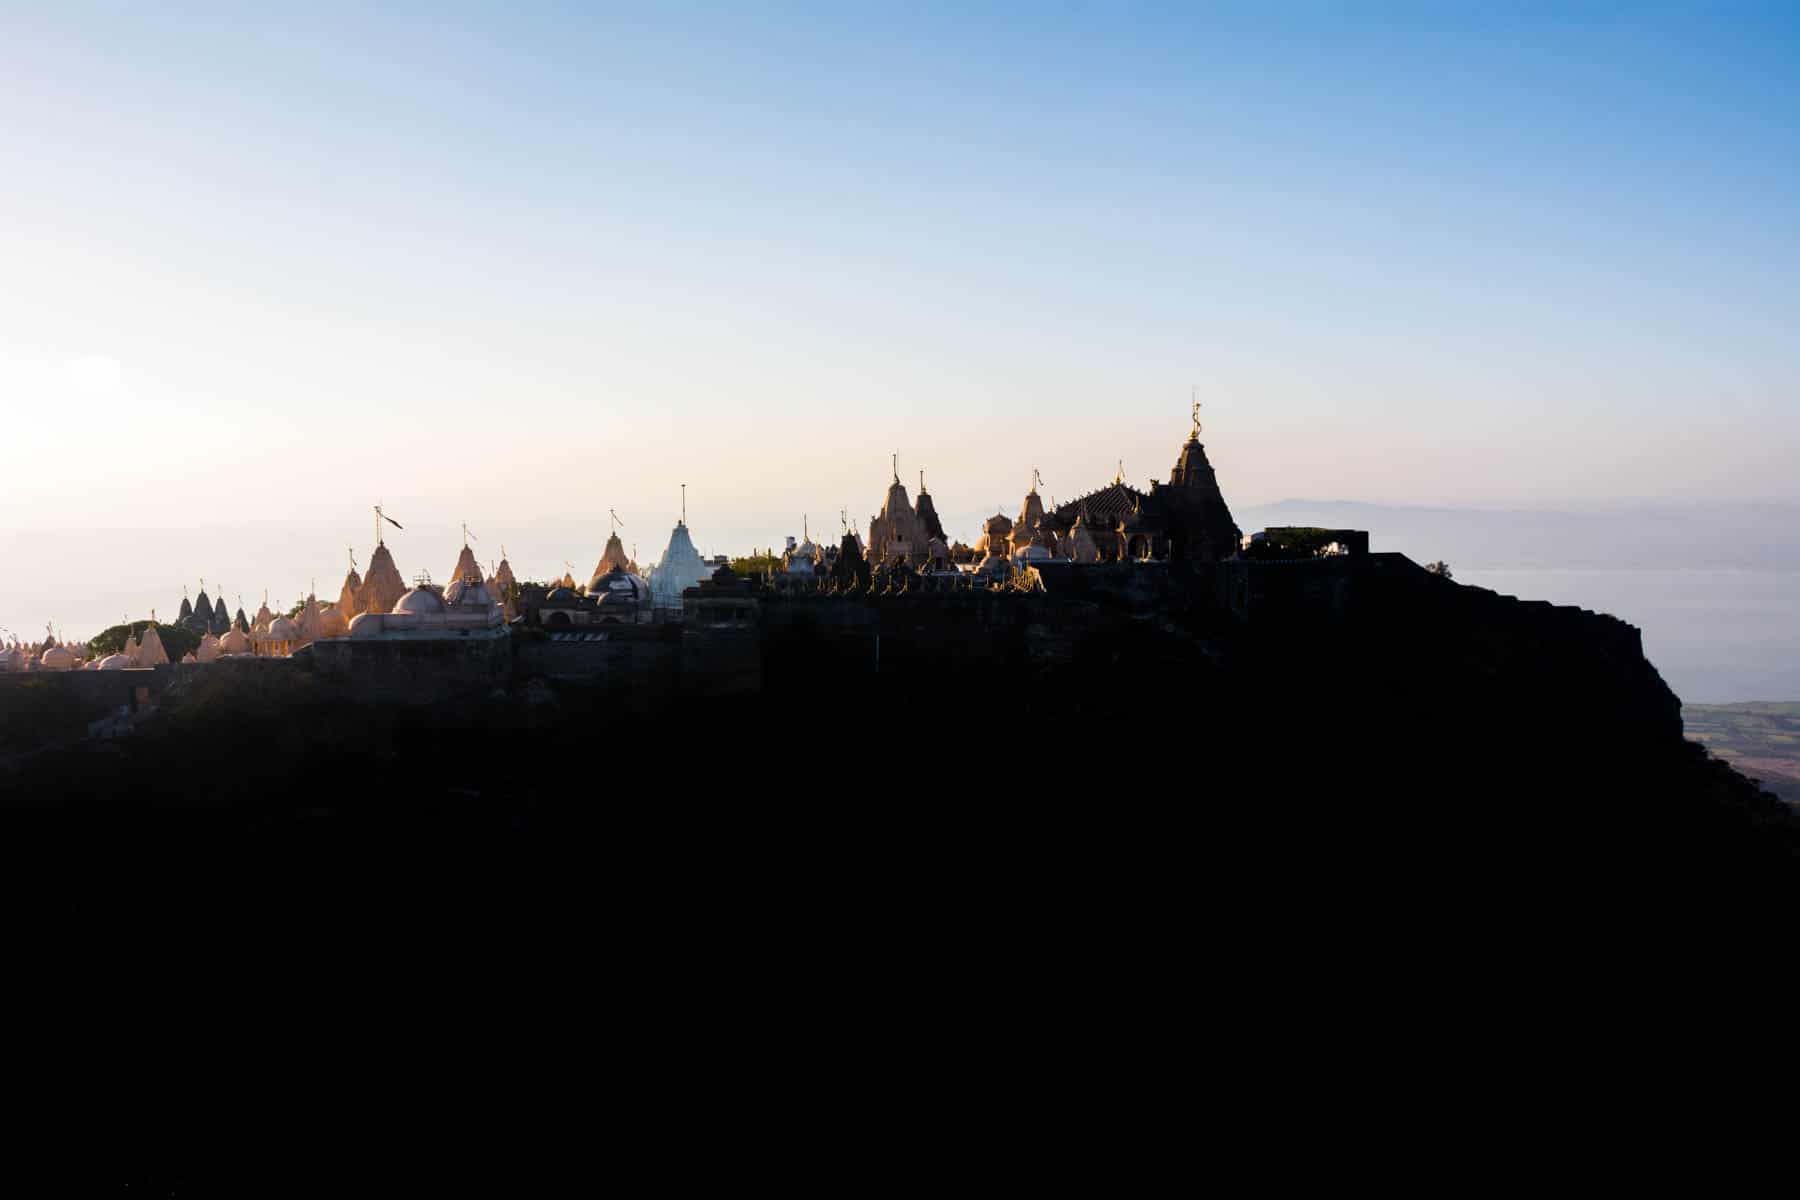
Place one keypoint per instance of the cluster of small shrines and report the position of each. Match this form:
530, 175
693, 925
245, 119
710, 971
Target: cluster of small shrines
1185, 519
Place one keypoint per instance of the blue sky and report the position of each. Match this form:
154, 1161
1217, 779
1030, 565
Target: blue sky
513, 263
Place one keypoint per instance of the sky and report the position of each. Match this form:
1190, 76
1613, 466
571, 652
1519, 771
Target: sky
262, 266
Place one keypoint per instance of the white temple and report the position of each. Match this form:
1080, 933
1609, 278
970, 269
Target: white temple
680, 568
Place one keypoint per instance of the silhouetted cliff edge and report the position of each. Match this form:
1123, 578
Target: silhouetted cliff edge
1385, 731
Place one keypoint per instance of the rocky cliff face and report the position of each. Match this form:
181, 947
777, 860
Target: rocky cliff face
1371, 731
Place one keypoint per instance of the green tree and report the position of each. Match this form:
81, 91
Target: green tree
177, 642
767, 564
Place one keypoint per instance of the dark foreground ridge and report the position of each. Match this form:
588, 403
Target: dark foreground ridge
1351, 725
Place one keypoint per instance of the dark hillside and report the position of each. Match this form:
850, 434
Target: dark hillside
1429, 739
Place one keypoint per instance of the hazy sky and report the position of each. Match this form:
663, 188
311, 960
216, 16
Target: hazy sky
262, 266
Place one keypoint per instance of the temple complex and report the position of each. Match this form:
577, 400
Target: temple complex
908, 551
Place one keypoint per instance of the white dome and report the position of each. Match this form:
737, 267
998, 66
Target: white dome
468, 593
282, 630
57, 659
114, 662
366, 625
420, 601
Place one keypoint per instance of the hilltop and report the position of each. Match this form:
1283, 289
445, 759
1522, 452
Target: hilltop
1414, 733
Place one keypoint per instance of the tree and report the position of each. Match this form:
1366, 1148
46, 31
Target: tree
177, 642
1440, 568
767, 564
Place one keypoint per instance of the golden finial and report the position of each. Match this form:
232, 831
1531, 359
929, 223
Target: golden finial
1196, 433
1120, 477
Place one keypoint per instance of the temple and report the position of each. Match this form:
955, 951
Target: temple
1099, 540
897, 532
680, 566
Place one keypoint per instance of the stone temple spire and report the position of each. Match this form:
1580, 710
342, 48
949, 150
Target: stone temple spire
927, 511
383, 586
1201, 527
466, 567
680, 568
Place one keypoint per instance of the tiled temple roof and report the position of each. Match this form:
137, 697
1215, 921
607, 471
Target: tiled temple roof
1105, 507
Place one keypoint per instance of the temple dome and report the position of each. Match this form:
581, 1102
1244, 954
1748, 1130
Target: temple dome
621, 596
283, 630
421, 601
114, 662
561, 595
468, 593
57, 659
235, 641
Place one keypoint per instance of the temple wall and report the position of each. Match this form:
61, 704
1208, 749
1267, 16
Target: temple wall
409, 671
640, 663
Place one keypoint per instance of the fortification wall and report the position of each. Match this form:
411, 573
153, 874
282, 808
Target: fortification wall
402, 671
